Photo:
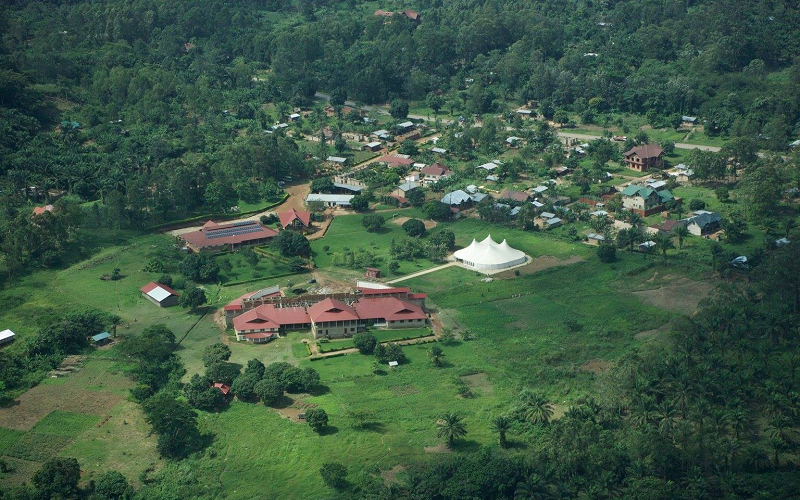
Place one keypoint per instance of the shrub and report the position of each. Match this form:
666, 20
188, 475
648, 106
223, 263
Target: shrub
317, 419
696, 204
373, 222
607, 253
334, 475
414, 228
269, 391
365, 342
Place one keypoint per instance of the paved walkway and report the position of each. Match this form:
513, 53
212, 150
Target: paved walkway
419, 273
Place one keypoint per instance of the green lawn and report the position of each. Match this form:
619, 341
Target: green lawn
381, 335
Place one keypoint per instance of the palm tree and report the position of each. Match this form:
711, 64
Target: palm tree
664, 243
681, 233
777, 430
531, 488
436, 355
501, 424
635, 219
451, 426
788, 225
534, 408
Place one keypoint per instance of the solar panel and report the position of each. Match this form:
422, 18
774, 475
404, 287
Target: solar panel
235, 231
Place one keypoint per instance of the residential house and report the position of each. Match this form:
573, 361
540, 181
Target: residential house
641, 158
539, 190
525, 113
337, 160
704, 223
294, 219
382, 134
372, 273
434, 173
667, 226
513, 142
518, 196
688, 121
595, 239
440, 151
372, 146
644, 200
403, 189
489, 167
101, 338
405, 127
160, 295
396, 160
492, 178
41, 210
412, 15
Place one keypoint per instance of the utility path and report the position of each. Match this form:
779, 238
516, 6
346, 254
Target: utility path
420, 273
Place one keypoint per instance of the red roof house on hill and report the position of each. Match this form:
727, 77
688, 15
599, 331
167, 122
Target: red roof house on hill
42, 209
390, 311
224, 389
294, 219
215, 236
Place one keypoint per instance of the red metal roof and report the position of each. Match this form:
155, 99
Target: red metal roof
382, 291
214, 235
388, 308
258, 336
269, 317
288, 217
417, 295
236, 304
396, 160
646, 151
43, 209
331, 310
436, 169
152, 285
224, 389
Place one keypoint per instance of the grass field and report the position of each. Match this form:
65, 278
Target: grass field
548, 329
381, 335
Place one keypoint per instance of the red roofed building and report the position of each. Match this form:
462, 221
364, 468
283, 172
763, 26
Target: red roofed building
266, 322
215, 236
412, 15
236, 304
641, 158
396, 160
333, 319
432, 173
224, 389
294, 219
43, 209
161, 295
390, 312
383, 13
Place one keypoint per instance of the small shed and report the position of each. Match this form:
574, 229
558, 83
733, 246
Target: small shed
101, 338
6, 336
393, 363
372, 272
224, 389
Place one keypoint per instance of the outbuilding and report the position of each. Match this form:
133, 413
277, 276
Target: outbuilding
6, 337
160, 295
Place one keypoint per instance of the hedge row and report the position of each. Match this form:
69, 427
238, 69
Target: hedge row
216, 216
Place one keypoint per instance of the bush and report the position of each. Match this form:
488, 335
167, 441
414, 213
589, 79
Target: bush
373, 222
365, 342
696, 204
292, 244
334, 475
113, 486
269, 391
389, 352
317, 419
244, 387
216, 353
607, 253
414, 228
165, 279
359, 203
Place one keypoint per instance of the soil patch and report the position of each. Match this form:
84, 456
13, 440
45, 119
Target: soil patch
596, 366
479, 381
293, 411
539, 264
429, 224
81, 392
390, 476
681, 296
439, 448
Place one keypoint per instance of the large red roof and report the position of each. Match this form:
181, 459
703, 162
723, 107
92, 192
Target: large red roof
395, 160
436, 169
382, 291
269, 317
332, 310
287, 217
214, 235
388, 308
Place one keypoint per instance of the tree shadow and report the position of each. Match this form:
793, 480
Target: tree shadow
515, 445
466, 445
329, 430
380, 373
377, 427
282, 403
320, 390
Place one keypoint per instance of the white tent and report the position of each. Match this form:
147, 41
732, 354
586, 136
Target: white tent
490, 255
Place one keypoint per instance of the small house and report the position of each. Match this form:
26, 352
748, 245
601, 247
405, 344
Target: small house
337, 160
372, 272
524, 113
396, 161
518, 196
101, 338
439, 151
294, 219
434, 173
704, 224
595, 239
647, 246
372, 146
223, 389
513, 142
404, 188
489, 167
405, 126
6, 337
41, 210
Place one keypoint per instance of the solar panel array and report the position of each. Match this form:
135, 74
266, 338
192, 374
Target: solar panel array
238, 229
